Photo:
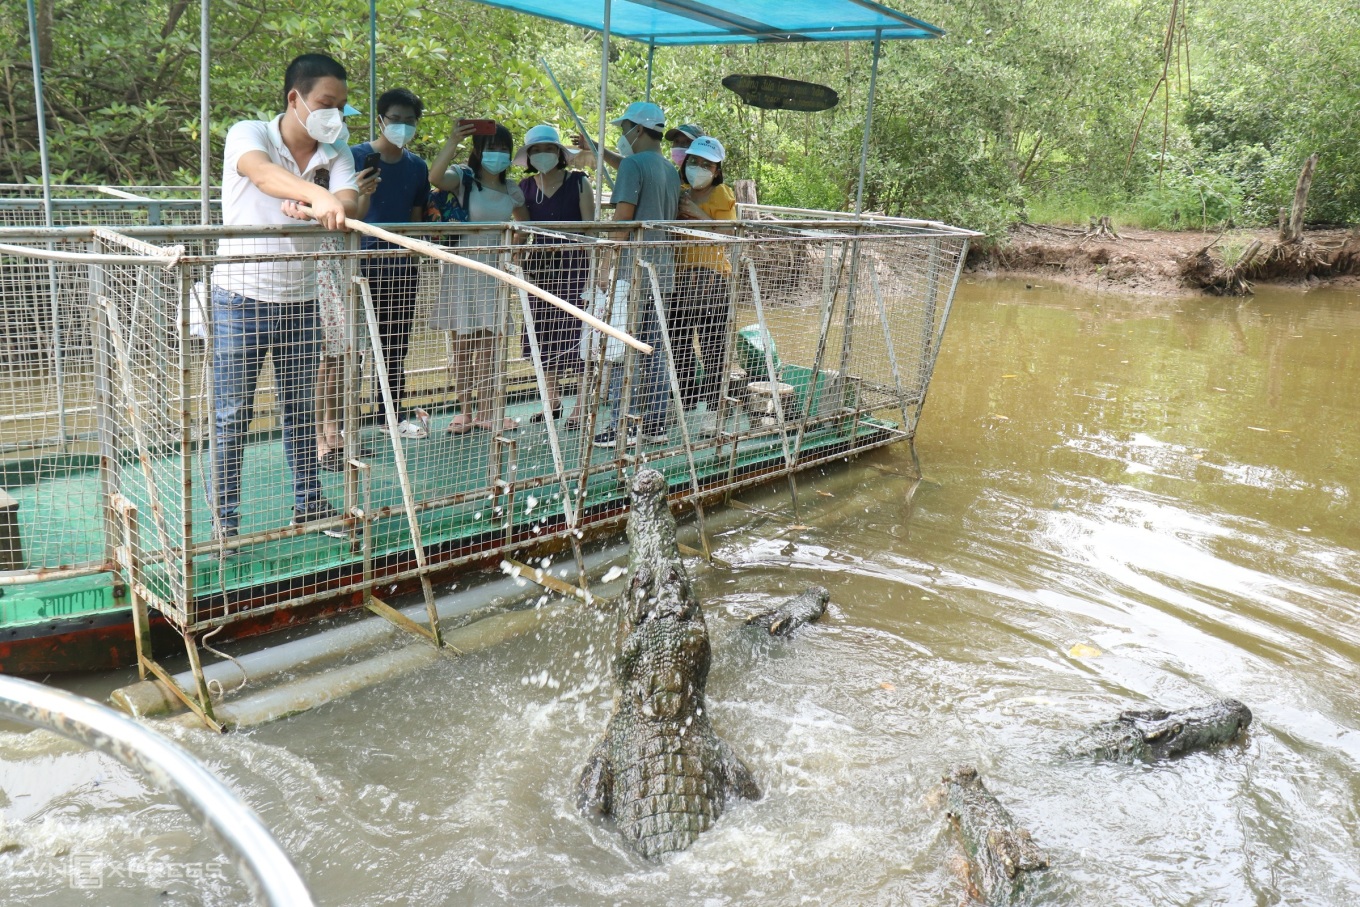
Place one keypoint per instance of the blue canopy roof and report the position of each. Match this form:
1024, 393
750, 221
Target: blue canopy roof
674, 22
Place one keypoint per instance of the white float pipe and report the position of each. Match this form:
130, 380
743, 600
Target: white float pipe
317, 689
150, 697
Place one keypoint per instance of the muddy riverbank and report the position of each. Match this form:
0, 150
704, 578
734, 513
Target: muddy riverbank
1148, 262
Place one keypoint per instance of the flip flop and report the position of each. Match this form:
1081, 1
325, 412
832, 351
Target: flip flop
460, 425
485, 425
540, 416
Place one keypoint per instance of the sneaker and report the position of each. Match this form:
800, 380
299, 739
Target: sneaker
609, 438
415, 425
315, 513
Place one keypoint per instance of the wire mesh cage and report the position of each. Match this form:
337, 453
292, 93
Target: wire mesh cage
246, 420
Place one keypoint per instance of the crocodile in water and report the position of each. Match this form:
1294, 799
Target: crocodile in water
660, 771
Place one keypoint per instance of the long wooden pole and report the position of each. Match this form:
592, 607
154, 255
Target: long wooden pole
434, 251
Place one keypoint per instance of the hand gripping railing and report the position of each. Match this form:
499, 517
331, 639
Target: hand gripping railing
263, 865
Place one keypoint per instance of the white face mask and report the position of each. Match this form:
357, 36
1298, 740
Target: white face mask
495, 161
698, 177
323, 125
543, 161
625, 146
399, 133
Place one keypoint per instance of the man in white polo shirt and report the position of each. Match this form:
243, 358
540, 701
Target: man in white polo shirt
271, 171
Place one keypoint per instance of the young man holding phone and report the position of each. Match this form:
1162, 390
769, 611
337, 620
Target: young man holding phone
270, 176
403, 187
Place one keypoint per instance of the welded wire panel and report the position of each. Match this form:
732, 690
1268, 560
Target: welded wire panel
106, 212
48, 444
289, 410
136, 311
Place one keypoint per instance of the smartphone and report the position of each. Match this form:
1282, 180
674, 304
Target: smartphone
480, 127
371, 160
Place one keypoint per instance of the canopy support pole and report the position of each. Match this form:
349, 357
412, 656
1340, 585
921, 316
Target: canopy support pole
604, 99
204, 114
372, 70
651, 52
42, 113
47, 212
868, 122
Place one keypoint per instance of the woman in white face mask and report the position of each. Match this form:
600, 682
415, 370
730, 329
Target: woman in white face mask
473, 307
703, 283
553, 193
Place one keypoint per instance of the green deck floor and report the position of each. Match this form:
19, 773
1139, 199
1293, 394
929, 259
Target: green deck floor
439, 466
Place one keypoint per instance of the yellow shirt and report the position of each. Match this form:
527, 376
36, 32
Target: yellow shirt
721, 204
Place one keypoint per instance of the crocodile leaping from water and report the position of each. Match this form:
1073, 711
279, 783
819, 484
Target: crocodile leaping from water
1153, 734
660, 771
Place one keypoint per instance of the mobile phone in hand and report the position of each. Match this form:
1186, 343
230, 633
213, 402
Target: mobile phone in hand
480, 127
371, 160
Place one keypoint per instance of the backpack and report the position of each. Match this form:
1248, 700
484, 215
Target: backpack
443, 207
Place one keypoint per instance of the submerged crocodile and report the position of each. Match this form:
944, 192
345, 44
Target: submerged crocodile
660, 771
792, 614
1001, 854
1152, 734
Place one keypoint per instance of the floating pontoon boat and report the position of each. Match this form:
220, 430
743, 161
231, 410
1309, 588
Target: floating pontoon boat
106, 417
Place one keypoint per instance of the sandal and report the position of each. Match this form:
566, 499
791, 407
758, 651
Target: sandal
539, 416
507, 424
460, 425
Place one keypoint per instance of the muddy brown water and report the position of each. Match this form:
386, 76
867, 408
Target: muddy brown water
1125, 502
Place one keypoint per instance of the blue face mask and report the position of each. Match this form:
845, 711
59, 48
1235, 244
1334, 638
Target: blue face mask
399, 133
495, 161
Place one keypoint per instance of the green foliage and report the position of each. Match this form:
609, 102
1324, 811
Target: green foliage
1024, 110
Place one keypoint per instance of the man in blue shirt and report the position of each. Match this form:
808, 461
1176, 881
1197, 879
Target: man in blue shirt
403, 186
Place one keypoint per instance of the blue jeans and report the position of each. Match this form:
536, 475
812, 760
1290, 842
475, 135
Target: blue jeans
244, 330
651, 396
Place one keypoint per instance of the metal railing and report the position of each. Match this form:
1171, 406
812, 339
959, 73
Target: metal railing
263, 865
150, 438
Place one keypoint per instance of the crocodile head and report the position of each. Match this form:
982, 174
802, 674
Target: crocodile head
1173, 733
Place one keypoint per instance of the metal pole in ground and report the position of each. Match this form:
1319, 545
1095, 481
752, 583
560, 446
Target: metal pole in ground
52, 285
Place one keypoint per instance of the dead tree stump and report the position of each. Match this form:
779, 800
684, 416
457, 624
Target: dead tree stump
1100, 228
